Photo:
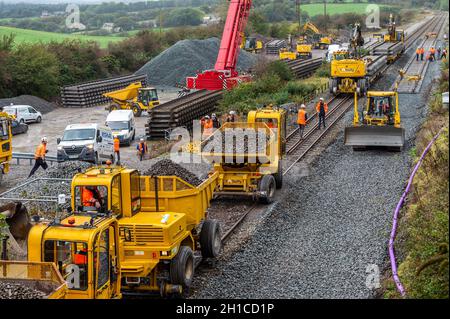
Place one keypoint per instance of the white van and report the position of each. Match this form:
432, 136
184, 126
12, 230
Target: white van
122, 124
86, 142
24, 113
331, 49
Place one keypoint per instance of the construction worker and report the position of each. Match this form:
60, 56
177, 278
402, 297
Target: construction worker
202, 122
215, 121
90, 197
417, 53
302, 117
322, 109
142, 149
270, 124
39, 157
444, 54
116, 150
422, 52
208, 128
231, 117
439, 53
432, 54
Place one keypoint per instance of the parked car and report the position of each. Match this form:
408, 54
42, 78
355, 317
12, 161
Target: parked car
122, 124
18, 128
86, 142
24, 113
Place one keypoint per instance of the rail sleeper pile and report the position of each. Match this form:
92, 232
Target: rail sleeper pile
388, 49
303, 68
89, 94
180, 112
274, 46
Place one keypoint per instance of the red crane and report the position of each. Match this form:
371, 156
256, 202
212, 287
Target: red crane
224, 75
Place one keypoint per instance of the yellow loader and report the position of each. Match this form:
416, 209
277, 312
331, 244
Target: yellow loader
133, 97
379, 125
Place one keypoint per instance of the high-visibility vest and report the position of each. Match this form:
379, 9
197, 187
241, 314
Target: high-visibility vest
87, 197
418, 51
432, 50
208, 129
301, 118
116, 145
325, 107
40, 151
142, 147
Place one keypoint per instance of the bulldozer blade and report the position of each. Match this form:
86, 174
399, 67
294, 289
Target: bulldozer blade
374, 136
17, 219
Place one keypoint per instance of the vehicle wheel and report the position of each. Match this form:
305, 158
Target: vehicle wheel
96, 158
22, 121
267, 186
211, 239
137, 111
39, 119
182, 267
279, 176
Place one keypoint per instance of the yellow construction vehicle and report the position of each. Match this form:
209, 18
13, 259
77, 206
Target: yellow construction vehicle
5, 143
320, 41
394, 35
304, 51
133, 97
286, 54
251, 44
379, 125
253, 172
128, 233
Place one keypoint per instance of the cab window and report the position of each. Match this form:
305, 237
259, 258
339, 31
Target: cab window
91, 198
71, 258
135, 192
101, 259
115, 196
4, 129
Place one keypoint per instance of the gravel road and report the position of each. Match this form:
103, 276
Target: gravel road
330, 225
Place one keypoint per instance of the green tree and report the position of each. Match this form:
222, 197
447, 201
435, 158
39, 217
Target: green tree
183, 17
34, 70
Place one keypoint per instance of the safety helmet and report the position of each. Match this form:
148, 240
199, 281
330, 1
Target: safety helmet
207, 117
302, 106
142, 140
44, 139
213, 115
321, 99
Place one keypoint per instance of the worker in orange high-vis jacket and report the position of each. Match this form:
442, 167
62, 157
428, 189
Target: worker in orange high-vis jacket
418, 53
116, 150
208, 128
322, 110
142, 149
302, 117
39, 157
422, 53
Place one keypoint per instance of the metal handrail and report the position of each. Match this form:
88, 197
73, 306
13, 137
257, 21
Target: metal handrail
30, 156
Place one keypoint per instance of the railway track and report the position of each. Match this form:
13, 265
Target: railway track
415, 71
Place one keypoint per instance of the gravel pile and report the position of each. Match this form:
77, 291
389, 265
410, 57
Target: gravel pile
11, 290
166, 167
64, 170
186, 58
328, 234
39, 104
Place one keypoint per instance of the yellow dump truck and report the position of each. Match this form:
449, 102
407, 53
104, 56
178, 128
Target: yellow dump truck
5, 143
129, 234
304, 51
247, 156
286, 54
133, 97
251, 44
41, 278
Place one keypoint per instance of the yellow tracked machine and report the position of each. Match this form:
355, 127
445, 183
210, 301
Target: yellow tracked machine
133, 97
379, 125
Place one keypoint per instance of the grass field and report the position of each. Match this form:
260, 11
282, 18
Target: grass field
24, 35
334, 8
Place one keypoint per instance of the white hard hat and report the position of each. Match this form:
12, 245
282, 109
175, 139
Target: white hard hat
302, 106
213, 115
232, 112
207, 117
321, 99
44, 139
142, 139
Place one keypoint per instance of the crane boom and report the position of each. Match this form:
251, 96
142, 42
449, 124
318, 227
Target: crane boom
225, 75
237, 18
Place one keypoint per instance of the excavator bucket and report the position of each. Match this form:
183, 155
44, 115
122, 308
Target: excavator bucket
17, 218
361, 137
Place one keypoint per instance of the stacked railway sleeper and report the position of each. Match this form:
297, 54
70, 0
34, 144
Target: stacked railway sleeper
274, 46
90, 94
180, 112
304, 68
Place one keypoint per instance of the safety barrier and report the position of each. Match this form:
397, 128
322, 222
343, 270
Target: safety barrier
397, 281
30, 157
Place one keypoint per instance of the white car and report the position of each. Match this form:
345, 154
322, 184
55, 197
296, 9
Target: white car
24, 113
86, 142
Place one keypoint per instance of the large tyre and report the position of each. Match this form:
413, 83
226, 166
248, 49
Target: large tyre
137, 111
39, 119
267, 186
211, 239
182, 267
279, 176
